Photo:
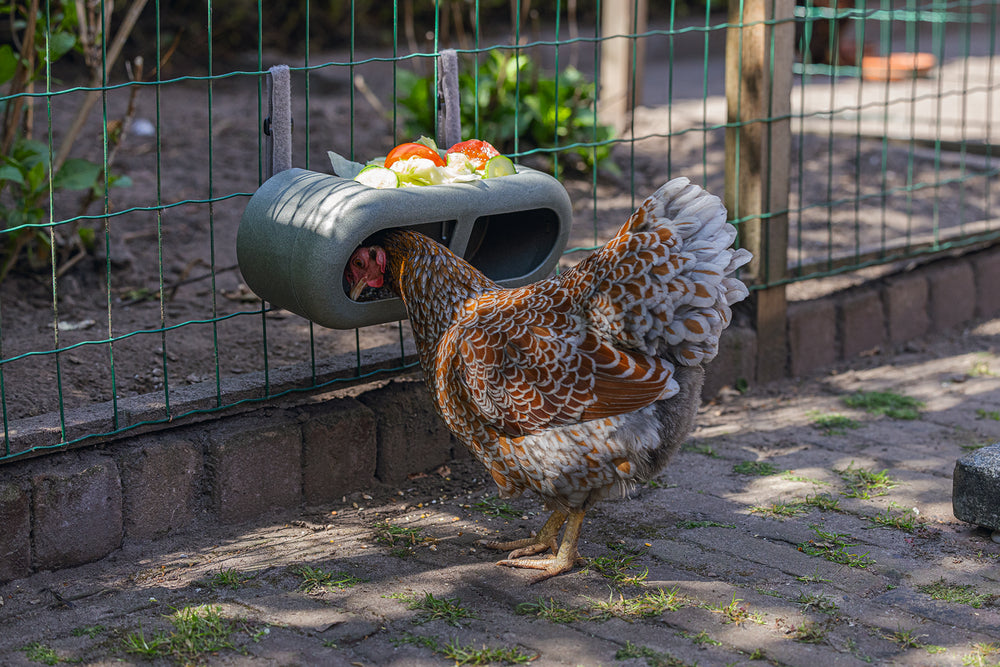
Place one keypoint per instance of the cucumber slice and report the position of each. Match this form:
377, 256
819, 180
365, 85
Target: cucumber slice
499, 165
375, 176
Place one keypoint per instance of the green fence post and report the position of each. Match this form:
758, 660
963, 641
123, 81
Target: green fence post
759, 55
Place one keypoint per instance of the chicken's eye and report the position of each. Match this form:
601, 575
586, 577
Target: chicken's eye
358, 263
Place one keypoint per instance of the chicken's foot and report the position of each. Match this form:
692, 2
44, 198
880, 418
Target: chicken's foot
565, 558
546, 538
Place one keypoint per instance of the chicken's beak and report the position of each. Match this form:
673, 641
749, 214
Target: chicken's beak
356, 289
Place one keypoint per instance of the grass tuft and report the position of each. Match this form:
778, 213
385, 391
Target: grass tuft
652, 657
896, 406
755, 468
865, 484
39, 652
645, 605
430, 608
315, 580
467, 655
401, 541
957, 593
688, 525
493, 506
780, 509
832, 423
735, 613
197, 631
619, 566
833, 547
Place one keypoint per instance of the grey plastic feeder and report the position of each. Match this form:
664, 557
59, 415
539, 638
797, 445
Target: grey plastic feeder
301, 227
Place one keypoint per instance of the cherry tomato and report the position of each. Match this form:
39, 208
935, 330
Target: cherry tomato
478, 151
404, 151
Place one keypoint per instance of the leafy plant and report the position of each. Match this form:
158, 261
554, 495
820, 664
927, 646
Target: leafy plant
509, 102
33, 172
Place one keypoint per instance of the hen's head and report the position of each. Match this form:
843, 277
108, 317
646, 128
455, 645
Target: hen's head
366, 268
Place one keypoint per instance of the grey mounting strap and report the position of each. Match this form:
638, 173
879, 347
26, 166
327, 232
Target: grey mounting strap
449, 113
278, 124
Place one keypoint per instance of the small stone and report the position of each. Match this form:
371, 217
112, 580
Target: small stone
976, 488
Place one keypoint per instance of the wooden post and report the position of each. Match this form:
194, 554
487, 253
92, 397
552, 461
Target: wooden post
758, 153
621, 17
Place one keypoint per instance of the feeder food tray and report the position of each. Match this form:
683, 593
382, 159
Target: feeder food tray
301, 227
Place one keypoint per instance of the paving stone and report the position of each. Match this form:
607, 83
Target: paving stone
15, 526
255, 470
952, 294
411, 436
161, 478
906, 301
77, 512
986, 267
976, 490
736, 361
339, 450
812, 336
861, 323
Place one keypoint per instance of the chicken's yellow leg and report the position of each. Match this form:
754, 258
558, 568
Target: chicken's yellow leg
565, 558
547, 538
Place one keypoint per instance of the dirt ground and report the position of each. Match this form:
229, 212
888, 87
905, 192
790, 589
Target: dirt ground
119, 339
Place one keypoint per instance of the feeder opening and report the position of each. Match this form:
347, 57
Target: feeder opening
505, 246
441, 231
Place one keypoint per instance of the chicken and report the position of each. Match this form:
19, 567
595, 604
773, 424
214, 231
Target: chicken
581, 385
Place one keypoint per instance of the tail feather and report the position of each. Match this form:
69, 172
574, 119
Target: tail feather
671, 296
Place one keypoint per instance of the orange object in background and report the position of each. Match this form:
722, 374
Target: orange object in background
897, 66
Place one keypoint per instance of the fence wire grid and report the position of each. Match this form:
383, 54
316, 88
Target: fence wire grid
131, 143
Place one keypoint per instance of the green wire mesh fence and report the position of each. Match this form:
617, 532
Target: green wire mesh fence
132, 138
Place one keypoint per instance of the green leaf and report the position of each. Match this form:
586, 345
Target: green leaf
8, 63
87, 237
9, 172
60, 44
77, 174
36, 177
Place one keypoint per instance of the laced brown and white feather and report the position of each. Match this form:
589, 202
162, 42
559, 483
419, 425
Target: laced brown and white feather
586, 382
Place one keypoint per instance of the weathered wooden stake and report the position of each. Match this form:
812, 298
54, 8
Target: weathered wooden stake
759, 54
621, 17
